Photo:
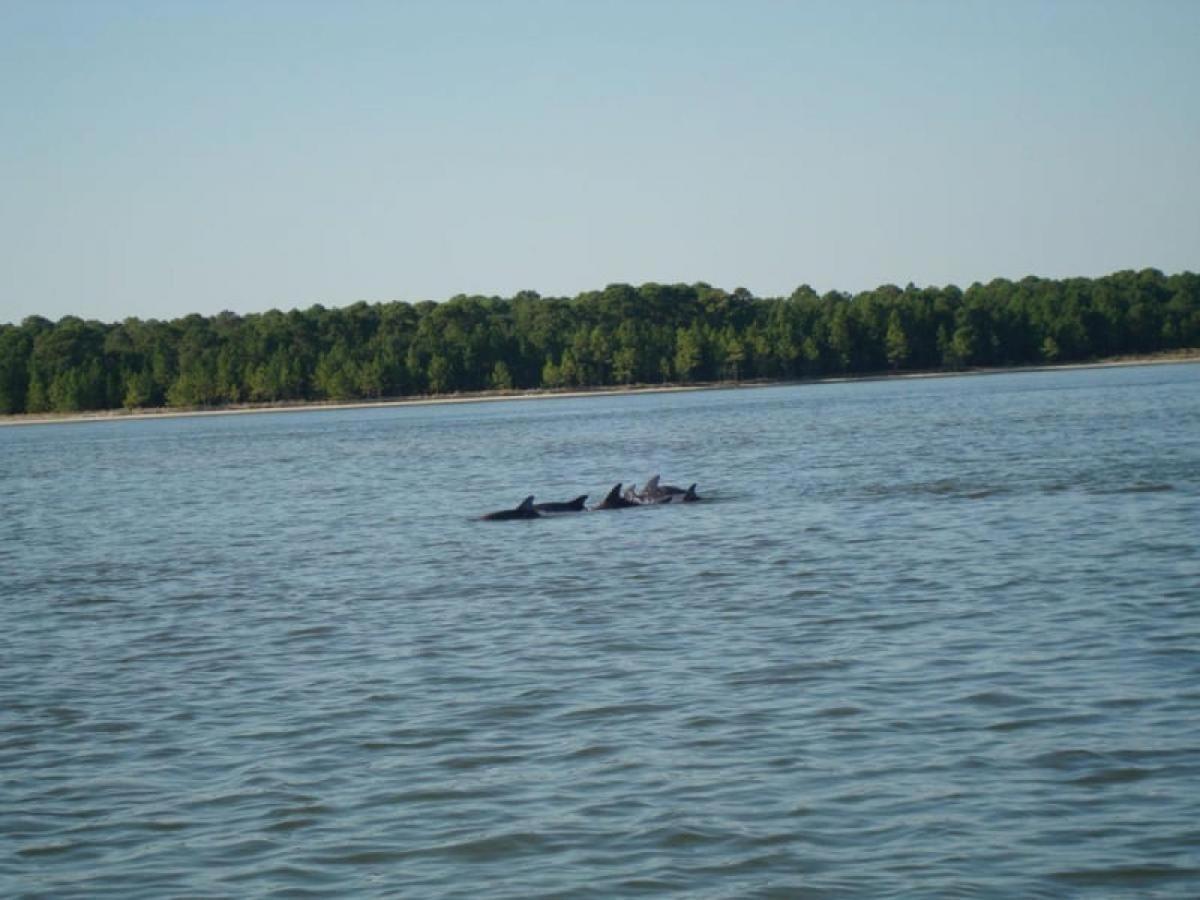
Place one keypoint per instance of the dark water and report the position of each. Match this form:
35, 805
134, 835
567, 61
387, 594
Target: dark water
927, 638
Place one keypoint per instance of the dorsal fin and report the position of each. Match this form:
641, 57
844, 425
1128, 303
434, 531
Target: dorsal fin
526, 504
578, 502
651, 485
613, 494
690, 494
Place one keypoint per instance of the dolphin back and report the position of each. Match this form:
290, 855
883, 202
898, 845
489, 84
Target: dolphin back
575, 505
654, 493
524, 511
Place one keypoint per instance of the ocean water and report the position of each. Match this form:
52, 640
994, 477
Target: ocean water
924, 638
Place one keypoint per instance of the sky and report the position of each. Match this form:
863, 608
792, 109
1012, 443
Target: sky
168, 157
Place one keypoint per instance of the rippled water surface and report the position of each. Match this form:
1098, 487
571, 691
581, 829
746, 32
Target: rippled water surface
933, 638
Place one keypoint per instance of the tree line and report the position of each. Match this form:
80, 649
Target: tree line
654, 333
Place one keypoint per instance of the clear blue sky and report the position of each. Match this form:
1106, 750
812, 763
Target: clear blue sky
168, 157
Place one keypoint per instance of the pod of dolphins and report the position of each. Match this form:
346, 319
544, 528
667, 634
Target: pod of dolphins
652, 493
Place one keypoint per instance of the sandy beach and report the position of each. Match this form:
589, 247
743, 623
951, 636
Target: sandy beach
125, 415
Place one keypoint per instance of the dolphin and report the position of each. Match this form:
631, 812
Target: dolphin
575, 505
688, 496
614, 500
654, 492
525, 510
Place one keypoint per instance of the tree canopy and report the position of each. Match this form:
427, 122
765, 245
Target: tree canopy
620, 335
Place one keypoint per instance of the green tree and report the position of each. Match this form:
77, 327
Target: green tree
568, 370
501, 378
626, 334
337, 374
841, 338
961, 349
624, 365
897, 341
139, 389
15, 347
733, 354
440, 375
687, 353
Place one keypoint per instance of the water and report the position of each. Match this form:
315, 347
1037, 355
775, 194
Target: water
930, 638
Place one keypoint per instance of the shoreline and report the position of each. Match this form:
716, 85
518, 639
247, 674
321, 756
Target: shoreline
122, 415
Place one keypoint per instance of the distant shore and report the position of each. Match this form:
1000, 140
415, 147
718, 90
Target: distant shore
167, 412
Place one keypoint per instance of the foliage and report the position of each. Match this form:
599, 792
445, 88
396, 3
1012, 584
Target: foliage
620, 335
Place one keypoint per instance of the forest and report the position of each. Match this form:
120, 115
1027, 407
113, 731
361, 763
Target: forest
621, 335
